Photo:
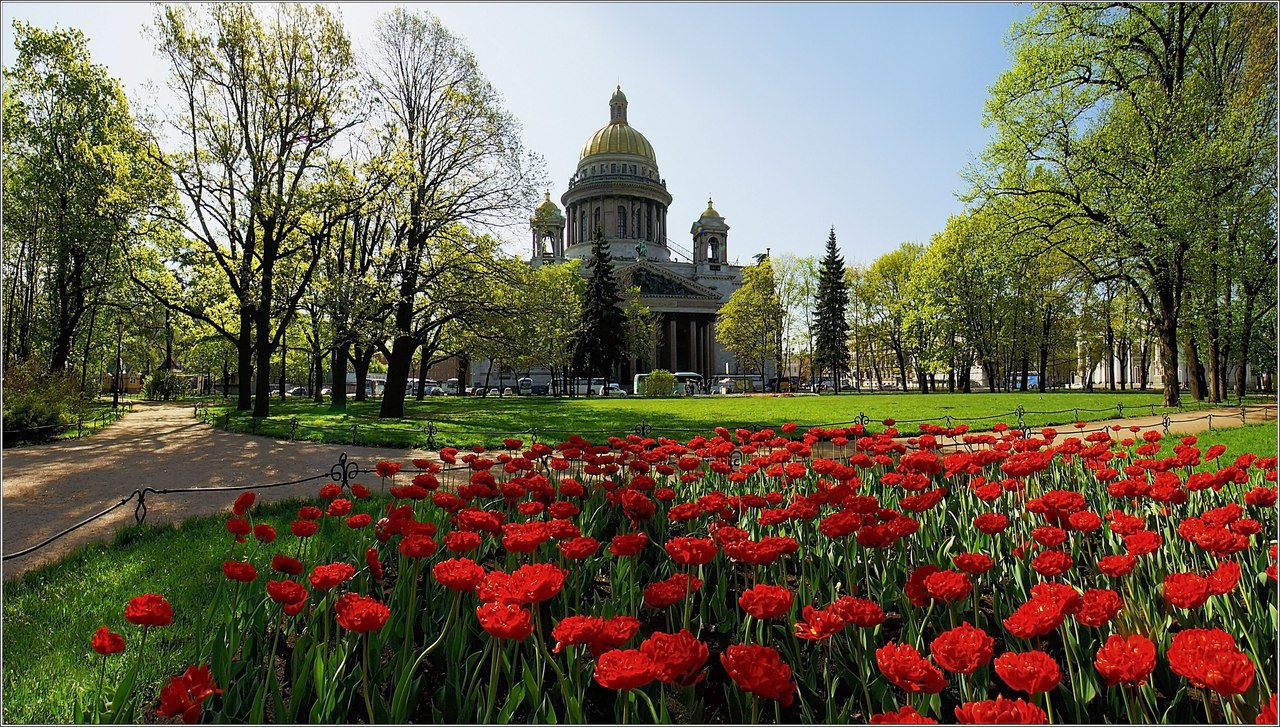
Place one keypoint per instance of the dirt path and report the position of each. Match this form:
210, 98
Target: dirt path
48, 488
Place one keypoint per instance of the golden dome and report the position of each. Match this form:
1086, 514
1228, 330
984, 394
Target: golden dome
710, 211
618, 137
547, 208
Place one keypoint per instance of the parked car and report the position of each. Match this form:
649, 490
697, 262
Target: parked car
434, 391
541, 390
297, 391
613, 390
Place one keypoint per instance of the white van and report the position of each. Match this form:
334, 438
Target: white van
450, 387
524, 386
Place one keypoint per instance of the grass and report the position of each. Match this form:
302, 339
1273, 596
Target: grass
95, 417
469, 421
1257, 438
50, 613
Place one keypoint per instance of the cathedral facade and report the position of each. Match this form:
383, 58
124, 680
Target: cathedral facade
617, 189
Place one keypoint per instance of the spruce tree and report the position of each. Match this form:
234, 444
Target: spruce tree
602, 342
831, 348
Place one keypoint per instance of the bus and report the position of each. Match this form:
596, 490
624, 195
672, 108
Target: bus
687, 382
578, 387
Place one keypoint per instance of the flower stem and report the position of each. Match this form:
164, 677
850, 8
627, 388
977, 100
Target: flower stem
368, 703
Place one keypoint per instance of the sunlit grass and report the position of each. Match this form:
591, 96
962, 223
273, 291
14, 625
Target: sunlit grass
464, 421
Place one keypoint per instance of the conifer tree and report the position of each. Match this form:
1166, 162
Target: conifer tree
602, 342
831, 349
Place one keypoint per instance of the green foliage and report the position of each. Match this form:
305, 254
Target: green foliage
659, 382
164, 385
38, 404
749, 324
1138, 141
603, 341
77, 187
831, 344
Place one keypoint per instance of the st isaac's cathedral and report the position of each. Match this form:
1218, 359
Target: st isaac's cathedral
617, 188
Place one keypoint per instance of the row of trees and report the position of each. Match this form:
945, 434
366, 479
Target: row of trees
297, 206
1124, 215
304, 205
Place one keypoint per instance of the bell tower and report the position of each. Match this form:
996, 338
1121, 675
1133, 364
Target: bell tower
710, 239
548, 232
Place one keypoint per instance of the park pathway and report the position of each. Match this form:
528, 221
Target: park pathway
50, 487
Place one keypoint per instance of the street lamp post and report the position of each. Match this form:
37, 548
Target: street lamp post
115, 389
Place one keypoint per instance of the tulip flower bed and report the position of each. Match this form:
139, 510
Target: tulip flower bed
820, 576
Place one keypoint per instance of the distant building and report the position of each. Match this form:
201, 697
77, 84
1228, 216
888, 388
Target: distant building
617, 189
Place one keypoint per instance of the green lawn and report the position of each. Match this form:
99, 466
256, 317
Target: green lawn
468, 420
1257, 438
50, 613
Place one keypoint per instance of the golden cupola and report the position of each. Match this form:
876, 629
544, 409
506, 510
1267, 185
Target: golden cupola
618, 137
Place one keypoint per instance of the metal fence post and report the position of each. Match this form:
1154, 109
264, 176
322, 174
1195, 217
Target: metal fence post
79, 426
1242, 416
353, 434
1211, 422
293, 429
1119, 410
430, 431
1165, 423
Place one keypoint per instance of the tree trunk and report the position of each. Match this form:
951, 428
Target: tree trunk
398, 365
1246, 334
284, 381
902, 366
244, 362
1167, 332
1026, 370
1195, 369
270, 249
1144, 366
338, 366
422, 374
1111, 351
989, 371
363, 356
1045, 328
317, 361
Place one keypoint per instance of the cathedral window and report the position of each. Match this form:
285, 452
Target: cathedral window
633, 169
613, 168
622, 221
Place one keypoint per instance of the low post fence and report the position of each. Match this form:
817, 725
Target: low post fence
343, 472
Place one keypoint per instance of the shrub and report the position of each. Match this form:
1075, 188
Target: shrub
660, 382
38, 405
164, 386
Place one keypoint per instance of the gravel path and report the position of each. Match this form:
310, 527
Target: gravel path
50, 487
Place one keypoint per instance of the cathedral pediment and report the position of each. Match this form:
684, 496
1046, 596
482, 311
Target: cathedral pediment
655, 282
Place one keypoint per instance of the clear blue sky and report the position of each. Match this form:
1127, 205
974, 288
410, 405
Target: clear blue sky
794, 117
